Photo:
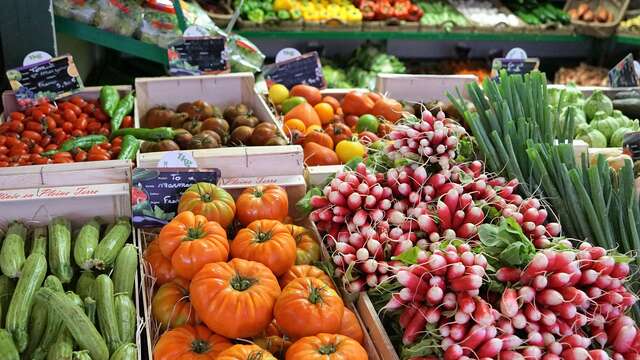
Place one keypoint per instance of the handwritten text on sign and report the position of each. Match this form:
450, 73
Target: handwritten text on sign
56, 192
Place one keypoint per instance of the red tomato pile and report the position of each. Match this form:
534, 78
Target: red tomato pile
25, 135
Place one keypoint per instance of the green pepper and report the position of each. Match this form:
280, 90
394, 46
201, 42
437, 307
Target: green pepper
283, 15
156, 134
83, 142
125, 105
129, 148
295, 14
256, 15
109, 98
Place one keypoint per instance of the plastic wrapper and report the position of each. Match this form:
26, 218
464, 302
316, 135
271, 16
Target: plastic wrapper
119, 16
80, 10
159, 27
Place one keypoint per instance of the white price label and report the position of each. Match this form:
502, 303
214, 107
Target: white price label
178, 159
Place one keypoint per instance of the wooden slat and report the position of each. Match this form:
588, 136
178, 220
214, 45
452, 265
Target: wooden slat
375, 328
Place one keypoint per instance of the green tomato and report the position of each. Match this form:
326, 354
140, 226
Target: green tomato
367, 122
292, 102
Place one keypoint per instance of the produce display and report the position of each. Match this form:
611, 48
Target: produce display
390, 10
591, 13
539, 13
438, 13
66, 295
250, 281
630, 24
74, 130
485, 14
583, 75
200, 125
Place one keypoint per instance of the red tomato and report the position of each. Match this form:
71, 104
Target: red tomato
104, 131
89, 108
37, 114
67, 126
93, 127
115, 150
4, 163
50, 123
127, 122
76, 110
50, 147
116, 141
81, 155
3, 139
46, 108
69, 115
34, 126
77, 133
37, 149
12, 141
80, 123
78, 101
62, 157
17, 116
42, 161
60, 138
100, 115
28, 134
46, 139
3, 150
16, 126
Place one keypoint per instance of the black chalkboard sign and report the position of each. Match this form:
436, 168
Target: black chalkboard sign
155, 192
303, 69
198, 55
514, 66
631, 145
49, 79
624, 73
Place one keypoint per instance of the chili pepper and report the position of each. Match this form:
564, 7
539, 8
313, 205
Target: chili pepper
109, 99
129, 148
83, 142
156, 134
125, 105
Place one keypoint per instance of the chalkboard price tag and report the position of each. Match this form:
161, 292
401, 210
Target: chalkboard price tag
303, 69
514, 66
624, 73
198, 55
156, 192
50, 79
631, 145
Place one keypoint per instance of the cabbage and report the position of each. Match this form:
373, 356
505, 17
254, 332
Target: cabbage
594, 138
598, 101
607, 125
579, 116
618, 136
572, 95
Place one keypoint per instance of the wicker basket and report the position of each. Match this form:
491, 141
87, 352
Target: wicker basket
596, 29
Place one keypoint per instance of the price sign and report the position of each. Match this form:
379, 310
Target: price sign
303, 69
198, 55
624, 73
514, 66
631, 145
156, 192
48, 79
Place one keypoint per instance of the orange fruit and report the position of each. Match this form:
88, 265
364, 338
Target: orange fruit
313, 128
325, 112
332, 101
294, 124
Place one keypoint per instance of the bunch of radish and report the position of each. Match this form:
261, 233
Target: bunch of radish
431, 140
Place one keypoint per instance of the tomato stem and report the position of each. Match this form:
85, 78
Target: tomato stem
240, 283
199, 346
194, 233
315, 295
327, 349
263, 236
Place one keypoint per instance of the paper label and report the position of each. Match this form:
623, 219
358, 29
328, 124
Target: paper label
286, 54
177, 159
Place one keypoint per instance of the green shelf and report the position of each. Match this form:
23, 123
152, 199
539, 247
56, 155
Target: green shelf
110, 40
408, 35
628, 39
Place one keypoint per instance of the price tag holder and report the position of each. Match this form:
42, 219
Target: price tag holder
631, 145
303, 69
49, 79
155, 193
624, 73
198, 55
514, 66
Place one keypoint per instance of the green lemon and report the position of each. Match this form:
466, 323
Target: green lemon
367, 122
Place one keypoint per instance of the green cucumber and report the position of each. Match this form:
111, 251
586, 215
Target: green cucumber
86, 284
86, 244
106, 312
12, 251
37, 325
80, 355
125, 352
90, 308
125, 269
39, 240
54, 322
9, 350
62, 349
83, 331
111, 244
125, 317
17, 322
6, 292
60, 249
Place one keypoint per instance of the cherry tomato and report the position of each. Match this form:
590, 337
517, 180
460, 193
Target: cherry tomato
116, 141
46, 140
80, 123
59, 138
100, 115
76, 109
4, 157
104, 131
116, 149
78, 133
93, 127
50, 123
12, 141
58, 118
28, 134
4, 150
18, 151
67, 126
89, 108
105, 146
41, 161
127, 122
3, 139
64, 156
17, 116
69, 115
4, 163
81, 155
4, 128
37, 115
16, 126
34, 126
37, 149
51, 147
46, 108
78, 101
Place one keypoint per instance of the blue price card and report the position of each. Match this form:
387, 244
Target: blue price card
156, 192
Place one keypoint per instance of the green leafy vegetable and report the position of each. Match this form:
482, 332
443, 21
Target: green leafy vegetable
505, 243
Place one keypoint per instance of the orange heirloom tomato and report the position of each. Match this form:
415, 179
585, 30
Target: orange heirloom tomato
210, 201
326, 347
305, 271
262, 202
235, 299
190, 343
245, 352
171, 306
319, 137
312, 300
160, 265
276, 345
267, 242
307, 248
351, 326
191, 241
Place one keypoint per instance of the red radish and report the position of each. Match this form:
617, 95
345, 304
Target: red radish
370, 266
535, 339
508, 274
467, 282
558, 280
505, 326
551, 357
526, 294
482, 314
466, 304
532, 352
490, 348
565, 310
453, 352
620, 270
537, 265
510, 355
540, 282
476, 270
372, 280
603, 281
509, 303
576, 354
457, 331
510, 342
588, 277
433, 315
449, 301
434, 295
467, 258
437, 264
461, 318
467, 231
604, 265
531, 312
407, 315
622, 342
475, 337
598, 354
413, 329
555, 348
519, 321
549, 297
357, 286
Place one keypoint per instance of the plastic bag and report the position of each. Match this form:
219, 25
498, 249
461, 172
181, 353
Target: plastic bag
80, 10
119, 16
159, 27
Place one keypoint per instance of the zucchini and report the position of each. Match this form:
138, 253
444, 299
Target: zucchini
12, 251
8, 348
125, 317
37, 325
85, 286
62, 349
629, 106
54, 322
33, 272
126, 352
110, 245
82, 330
626, 95
6, 292
124, 270
106, 312
80, 355
86, 243
60, 249
90, 309
39, 240
75, 298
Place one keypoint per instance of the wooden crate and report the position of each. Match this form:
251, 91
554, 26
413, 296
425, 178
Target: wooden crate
80, 203
220, 90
